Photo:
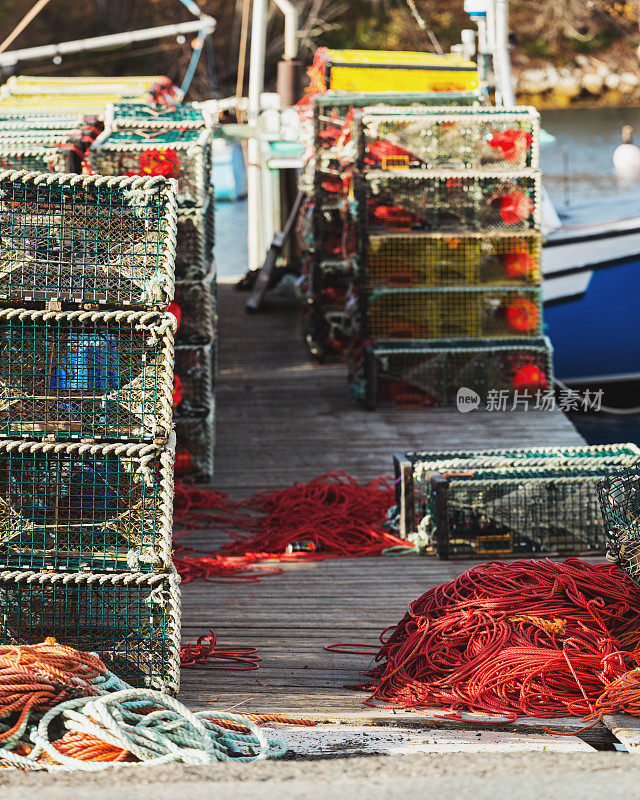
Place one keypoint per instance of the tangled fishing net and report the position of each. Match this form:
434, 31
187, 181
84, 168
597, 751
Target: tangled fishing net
526, 638
62, 709
331, 516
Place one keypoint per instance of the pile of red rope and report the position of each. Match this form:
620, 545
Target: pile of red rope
526, 638
331, 516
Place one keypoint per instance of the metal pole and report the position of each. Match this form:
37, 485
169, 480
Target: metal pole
254, 155
504, 78
290, 29
12, 57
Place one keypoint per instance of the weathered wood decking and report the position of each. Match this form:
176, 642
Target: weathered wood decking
280, 419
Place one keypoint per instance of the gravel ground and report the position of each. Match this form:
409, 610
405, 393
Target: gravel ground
589, 776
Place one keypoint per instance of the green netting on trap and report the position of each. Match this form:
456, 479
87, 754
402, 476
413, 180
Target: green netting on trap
33, 157
194, 371
549, 491
466, 312
86, 374
197, 310
79, 506
146, 115
408, 200
415, 260
195, 240
419, 375
87, 239
447, 138
619, 497
195, 444
182, 154
132, 621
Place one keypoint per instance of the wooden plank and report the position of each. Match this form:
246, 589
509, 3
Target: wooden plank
626, 729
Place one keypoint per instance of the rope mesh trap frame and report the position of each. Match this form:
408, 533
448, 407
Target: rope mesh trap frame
195, 372
195, 442
131, 620
542, 501
408, 374
446, 138
195, 240
197, 303
90, 239
79, 506
619, 497
146, 115
86, 374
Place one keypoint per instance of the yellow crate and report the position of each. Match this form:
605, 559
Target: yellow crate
398, 71
424, 315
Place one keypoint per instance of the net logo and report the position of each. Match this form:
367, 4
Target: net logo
467, 400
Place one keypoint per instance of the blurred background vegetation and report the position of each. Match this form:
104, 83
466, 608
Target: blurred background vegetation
544, 30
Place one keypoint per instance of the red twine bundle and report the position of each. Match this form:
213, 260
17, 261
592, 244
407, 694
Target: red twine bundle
333, 515
207, 654
526, 638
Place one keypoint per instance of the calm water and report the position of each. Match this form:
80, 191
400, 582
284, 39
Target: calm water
577, 168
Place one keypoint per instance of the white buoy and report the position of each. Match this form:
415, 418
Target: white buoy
626, 157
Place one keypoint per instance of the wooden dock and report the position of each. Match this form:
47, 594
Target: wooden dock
282, 418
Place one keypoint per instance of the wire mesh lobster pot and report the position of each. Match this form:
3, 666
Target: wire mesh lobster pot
121, 85
447, 138
334, 233
34, 121
194, 372
332, 111
467, 311
414, 260
131, 620
489, 503
50, 104
66, 505
86, 239
34, 157
148, 115
185, 155
457, 201
419, 375
619, 496
195, 443
86, 374
195, 240
331, 189
196, 301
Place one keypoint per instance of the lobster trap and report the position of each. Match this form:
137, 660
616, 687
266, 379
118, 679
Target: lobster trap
447, 138
619, 496
66, 505
197, 310
35, 122
90, 239
132, 620
194, 381
195, 444
482, 505
39, 157
185, 155
466, 311
447, 201
86, 374
123, 86
414, 260
90, 103
333, 233
195, 240
147, 115
417, 375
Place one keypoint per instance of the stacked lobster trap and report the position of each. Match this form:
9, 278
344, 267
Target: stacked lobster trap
86, 441
447, 291
488, 503
177, 143
328, 231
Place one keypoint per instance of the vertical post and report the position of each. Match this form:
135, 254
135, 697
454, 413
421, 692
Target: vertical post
502, 62
254, 154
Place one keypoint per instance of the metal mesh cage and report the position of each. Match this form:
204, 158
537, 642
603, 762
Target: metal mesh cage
331, 189
619, 497
38, 121
448, 138
79, 506
415, 375
195, 240
195, 442
182, 154
334, 235
197, 307
33, 157
456, 201
86, 374
416, 488
433, 259
86, 239
147, 115
132, 621
330, 109
194, 371
449, 313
